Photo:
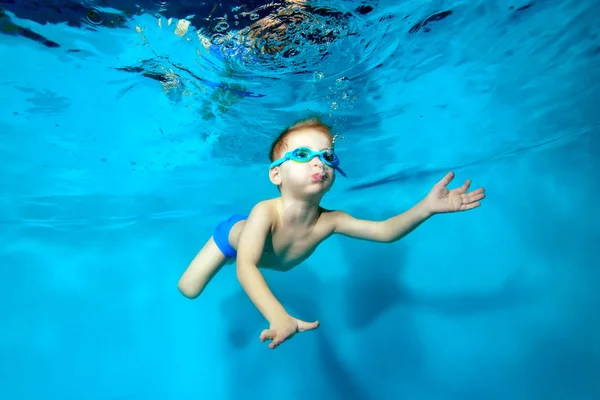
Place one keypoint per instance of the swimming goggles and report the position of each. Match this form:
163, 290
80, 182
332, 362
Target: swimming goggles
304, 154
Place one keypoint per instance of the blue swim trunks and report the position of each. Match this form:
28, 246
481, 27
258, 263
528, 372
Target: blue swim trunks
221, 234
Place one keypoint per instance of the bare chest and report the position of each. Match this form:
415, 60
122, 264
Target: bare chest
289, 247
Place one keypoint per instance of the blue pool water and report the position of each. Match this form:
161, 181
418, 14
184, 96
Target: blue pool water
123, 143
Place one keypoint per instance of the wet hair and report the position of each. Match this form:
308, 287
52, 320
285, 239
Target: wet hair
280, 143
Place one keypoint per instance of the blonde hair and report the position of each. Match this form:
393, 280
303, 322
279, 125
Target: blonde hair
280, 143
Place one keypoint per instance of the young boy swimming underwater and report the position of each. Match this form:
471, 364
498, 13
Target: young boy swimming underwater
281, 233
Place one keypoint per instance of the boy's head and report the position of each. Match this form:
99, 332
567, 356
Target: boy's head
303, 161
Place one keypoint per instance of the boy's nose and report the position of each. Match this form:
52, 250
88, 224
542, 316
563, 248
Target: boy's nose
316, 161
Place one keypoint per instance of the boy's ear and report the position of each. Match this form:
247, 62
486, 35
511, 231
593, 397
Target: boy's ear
274, 176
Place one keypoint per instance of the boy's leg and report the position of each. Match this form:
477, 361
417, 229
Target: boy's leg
201, 270
214, 255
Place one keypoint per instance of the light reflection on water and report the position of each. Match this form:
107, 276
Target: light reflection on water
416, 87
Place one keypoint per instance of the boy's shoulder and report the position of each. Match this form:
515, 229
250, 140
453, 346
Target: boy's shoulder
266, 208
270, 209
330, 217
330, 213
268, 203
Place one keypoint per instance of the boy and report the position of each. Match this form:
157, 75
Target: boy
281, 233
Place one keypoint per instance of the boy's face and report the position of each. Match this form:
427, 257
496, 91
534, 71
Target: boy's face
305, 178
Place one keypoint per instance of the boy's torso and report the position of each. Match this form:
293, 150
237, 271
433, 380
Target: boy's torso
288, 245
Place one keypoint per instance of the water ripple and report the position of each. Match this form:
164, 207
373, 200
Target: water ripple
413, 83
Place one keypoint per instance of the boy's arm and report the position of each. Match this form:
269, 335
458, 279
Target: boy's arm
387, 231
250, 248
439, 200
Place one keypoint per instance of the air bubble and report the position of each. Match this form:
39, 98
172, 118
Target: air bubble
222, 27
93, 17
217, 39
161, 5
291, 28
342, 83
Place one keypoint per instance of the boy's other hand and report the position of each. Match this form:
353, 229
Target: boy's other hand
283, 328
442, 200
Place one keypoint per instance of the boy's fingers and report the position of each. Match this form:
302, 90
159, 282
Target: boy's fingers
277, 340
479, 193
447, 179
307, 326
267, 334
477, 196
470, 206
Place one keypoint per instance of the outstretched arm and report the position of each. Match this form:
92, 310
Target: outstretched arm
282, 326
250, 248
387, 231
439, 200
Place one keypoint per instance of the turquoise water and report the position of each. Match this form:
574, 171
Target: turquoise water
112, 181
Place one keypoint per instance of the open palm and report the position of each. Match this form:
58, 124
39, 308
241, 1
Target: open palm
442, 200
283, 328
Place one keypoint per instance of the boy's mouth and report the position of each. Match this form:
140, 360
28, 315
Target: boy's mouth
318, 177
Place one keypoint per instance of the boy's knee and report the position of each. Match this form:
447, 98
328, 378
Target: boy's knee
187, 290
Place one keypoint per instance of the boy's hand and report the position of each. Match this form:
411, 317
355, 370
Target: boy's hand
442, 200
284, 327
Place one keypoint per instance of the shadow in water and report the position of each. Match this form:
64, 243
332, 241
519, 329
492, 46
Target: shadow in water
301, 299
243, 319
246, 322
339, 376
373, 288
420, 173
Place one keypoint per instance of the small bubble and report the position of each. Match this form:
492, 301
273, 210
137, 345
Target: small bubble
182, 27
217, 39
93, 17
222, 27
